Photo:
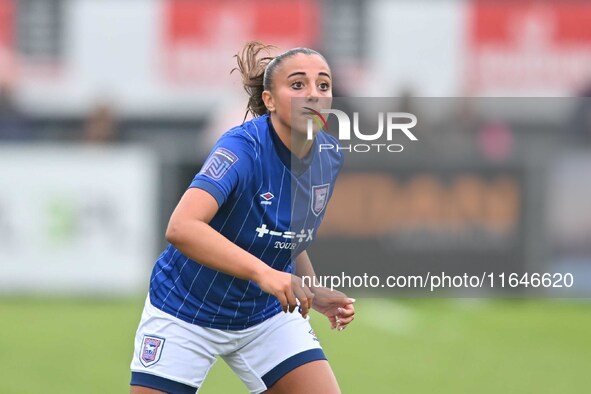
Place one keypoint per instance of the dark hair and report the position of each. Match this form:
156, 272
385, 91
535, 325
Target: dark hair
257, 72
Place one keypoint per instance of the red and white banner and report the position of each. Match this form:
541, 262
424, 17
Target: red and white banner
6, 39
200, 37
528, 47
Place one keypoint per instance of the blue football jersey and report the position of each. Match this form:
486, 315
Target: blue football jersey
270, 204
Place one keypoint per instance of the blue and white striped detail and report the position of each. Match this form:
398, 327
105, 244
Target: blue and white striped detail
246, 162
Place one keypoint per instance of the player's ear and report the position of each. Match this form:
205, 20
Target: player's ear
268, 100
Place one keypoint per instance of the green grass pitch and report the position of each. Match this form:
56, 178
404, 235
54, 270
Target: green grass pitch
77, 346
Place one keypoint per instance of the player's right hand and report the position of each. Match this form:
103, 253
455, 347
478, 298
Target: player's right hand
288, 289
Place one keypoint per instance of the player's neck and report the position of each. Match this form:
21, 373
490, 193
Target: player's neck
298, 144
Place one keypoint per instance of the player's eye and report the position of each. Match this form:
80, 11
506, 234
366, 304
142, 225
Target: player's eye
297, 85
324, 86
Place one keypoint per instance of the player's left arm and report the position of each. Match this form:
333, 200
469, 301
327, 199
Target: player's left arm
332, 303
304, 266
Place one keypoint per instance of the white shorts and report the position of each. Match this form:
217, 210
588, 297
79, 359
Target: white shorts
174, 356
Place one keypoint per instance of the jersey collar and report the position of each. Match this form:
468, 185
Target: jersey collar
296, 165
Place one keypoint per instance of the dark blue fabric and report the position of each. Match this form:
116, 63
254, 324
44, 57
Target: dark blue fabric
296, 165
264, 209
211, 189
292, 363
162, 384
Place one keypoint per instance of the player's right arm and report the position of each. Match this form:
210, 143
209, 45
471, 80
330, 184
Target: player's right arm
189, 230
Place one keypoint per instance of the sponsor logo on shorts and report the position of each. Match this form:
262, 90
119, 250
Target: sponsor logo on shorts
151, 350
311, 332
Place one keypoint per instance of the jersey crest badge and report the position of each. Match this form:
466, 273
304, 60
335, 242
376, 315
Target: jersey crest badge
219, 163
319, 198
151, 350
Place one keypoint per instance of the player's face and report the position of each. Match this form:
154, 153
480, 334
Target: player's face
307, 79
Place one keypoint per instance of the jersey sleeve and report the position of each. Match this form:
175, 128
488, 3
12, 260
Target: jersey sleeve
229, 166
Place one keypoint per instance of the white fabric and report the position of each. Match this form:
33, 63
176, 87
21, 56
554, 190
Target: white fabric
189, 351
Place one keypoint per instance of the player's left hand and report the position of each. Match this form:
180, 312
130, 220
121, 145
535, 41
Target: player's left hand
335, 305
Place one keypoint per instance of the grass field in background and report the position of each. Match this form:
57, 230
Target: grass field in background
410, 346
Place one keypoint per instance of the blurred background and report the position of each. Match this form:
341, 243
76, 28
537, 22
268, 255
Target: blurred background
108, 109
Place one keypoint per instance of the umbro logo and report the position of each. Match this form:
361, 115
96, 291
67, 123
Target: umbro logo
267, 197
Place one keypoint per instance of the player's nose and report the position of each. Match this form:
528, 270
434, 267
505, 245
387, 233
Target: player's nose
312, 94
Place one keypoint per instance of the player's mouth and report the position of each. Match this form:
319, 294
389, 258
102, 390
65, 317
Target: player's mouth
311, 111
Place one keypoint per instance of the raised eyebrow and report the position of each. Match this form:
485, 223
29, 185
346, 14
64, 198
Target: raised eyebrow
296, 73
304, 74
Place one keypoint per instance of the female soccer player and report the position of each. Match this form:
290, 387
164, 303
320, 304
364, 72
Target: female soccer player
224, 285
